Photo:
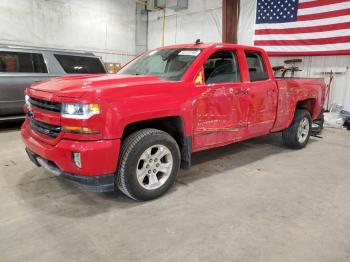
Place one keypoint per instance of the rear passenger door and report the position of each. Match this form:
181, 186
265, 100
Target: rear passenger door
219, 112
262, 93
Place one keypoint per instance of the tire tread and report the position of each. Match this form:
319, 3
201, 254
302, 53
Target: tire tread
289, 135
127, 147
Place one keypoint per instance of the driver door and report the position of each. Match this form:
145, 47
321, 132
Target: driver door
220, 110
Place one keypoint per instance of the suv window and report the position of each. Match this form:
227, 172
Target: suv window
221, 67
257, 69
20, 62
72, 64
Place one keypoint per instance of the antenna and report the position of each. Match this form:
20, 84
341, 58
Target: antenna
198, 42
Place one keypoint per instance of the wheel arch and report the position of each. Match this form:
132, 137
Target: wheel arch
308, 105
173, 125
284, 121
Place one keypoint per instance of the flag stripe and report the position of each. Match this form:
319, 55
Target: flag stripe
306, 36
326, 21
323, 8
318, 41
314, 48
304, 1
307, 53
319, 3
301, 30
329, 14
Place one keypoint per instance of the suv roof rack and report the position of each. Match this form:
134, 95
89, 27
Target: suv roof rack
46, 49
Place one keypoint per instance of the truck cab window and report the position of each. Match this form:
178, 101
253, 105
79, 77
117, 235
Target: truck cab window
257, 71
221, 67
168, 64
18, 62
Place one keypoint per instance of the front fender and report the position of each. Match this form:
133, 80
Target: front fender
128, 108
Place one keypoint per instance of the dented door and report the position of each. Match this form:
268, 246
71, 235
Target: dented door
220, 115
220, 107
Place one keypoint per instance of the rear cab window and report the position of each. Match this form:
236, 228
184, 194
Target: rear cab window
256, 65
22, 62
72, 64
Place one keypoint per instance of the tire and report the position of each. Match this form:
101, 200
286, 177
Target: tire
297, 135
137, 152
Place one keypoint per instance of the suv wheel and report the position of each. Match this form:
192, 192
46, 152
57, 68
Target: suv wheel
297, 135
148, 164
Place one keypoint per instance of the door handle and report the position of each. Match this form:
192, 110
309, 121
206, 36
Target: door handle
234, 91
244, 91
272, 90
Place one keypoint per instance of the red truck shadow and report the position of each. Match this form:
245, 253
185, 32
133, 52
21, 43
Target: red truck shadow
55, 195
10, 125
215, 161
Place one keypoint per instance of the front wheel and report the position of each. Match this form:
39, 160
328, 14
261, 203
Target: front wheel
149, 162
297, 135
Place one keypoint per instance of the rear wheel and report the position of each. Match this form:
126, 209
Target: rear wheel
149, 163
297, 135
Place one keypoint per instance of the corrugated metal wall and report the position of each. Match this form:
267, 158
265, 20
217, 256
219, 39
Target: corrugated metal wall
202, 19
106, 27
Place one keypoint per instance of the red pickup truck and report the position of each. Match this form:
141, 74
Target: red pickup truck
133, 130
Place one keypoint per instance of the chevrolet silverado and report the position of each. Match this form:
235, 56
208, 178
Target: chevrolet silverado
133, 131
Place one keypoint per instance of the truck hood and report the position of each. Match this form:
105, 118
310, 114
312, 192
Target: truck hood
77, 86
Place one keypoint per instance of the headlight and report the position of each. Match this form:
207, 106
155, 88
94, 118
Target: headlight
79, 111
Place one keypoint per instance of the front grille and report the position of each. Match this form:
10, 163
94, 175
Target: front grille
44, 128
45, 105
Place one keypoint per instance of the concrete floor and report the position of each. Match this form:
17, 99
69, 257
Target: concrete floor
253, 201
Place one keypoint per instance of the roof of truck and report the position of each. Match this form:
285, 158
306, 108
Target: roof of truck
215, 45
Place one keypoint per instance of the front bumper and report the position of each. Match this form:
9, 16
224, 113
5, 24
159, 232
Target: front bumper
98, 159
103, 183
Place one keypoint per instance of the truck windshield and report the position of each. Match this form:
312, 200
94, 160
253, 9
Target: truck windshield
168, 64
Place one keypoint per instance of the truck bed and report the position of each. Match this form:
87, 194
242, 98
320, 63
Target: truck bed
298, 93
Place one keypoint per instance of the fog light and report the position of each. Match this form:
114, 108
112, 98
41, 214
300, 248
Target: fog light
76, 159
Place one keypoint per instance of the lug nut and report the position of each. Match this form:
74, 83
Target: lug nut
149, 171
157, 165
154, 170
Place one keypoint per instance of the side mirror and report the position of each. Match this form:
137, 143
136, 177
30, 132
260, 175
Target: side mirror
199, 79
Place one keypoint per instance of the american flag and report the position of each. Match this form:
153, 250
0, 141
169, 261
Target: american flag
303, 27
